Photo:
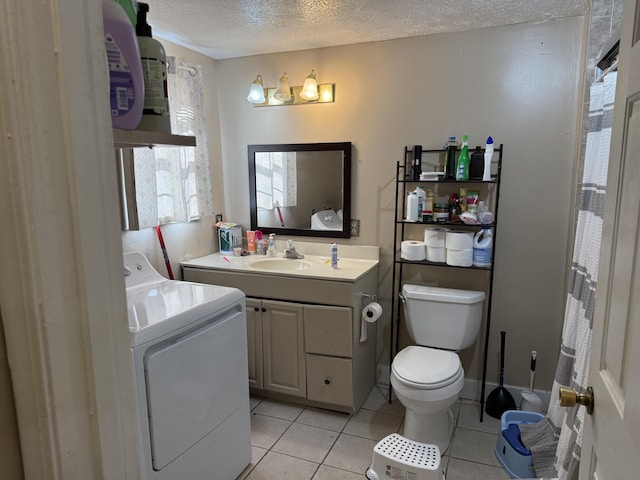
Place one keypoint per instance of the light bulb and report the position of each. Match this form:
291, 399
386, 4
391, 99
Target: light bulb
256, 92
283, 92
310, 88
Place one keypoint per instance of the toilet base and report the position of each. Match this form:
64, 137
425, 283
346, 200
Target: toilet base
432, 429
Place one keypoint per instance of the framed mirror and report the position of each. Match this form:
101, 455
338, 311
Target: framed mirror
301, 189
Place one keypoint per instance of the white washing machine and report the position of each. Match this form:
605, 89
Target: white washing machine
189, 350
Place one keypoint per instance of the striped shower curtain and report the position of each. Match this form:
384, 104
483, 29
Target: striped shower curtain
573, 365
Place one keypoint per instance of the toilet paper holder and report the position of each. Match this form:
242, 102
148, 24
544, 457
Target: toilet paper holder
374, 298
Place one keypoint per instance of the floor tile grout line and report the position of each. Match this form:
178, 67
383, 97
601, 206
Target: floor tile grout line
341, 431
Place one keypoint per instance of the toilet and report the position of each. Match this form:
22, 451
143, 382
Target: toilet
427, 378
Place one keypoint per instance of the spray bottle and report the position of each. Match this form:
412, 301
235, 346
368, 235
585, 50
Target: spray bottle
488, 157
462, 167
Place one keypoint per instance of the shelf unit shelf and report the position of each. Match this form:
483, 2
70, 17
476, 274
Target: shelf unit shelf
137, 138
400, 226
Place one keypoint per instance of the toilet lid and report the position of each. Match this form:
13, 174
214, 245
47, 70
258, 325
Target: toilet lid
427, 368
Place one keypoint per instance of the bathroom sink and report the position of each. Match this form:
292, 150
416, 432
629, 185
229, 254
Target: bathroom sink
281, 264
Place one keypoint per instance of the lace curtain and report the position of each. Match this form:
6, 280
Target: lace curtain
173, 184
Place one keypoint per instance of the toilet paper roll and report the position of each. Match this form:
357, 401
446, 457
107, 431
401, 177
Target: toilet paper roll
434, 237
436, 254
413, 250
370, 314
459, 240
460, 258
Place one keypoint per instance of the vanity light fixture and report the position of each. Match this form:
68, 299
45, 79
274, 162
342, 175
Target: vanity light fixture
256, 92
285, 94
310, 88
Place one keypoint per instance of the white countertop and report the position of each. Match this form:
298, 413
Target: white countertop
359, 261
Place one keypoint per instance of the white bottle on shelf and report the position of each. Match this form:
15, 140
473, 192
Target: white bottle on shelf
488, 157
412, 207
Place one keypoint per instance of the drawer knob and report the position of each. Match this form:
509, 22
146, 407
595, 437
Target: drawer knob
264, 309
327, 381
256, 309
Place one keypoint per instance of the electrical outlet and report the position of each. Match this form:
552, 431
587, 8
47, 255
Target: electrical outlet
218, 217
355, 228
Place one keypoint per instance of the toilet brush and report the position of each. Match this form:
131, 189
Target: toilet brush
531, 402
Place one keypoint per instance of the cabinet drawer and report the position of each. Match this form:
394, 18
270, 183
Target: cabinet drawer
329, 380
328, 331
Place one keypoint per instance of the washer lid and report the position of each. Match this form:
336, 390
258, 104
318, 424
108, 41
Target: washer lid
159, 308
426, 368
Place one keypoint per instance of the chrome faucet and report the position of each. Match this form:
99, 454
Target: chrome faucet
290, 251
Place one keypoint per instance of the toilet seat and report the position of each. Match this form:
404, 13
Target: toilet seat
426, 368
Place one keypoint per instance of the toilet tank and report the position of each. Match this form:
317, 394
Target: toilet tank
442, 317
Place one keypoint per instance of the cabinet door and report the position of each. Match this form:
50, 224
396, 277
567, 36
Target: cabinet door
328, 330
254, 341
283, 348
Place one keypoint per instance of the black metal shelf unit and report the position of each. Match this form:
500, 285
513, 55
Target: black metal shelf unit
403, 171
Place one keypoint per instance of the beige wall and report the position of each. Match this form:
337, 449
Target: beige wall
519, 84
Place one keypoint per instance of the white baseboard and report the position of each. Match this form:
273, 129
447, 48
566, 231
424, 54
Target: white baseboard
472, 390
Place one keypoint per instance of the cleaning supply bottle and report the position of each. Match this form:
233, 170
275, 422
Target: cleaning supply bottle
488, 157
412, 207
155, 116
476, 164
462, 167
483, 248
422, 196
334, 255
126, 83
130, 7
450, 162
427, 210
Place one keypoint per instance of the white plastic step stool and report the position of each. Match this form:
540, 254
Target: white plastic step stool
397, 457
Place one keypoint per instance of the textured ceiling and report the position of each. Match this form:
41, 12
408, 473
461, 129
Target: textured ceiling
236, 28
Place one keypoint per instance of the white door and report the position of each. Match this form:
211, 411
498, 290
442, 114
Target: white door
611, 444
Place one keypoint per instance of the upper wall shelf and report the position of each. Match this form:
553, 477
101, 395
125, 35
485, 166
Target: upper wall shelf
136, 138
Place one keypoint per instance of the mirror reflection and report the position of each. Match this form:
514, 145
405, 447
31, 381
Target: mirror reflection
301, 189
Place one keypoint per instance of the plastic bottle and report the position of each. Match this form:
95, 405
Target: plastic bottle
155, 116
271, 250
334, 255
462, 167
427, 210
483, 248
450, 165
126, 83
130, 7
416, 169
476, 164
488, 157
412, 207
422, 196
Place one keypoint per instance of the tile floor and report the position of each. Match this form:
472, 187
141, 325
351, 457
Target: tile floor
294, 442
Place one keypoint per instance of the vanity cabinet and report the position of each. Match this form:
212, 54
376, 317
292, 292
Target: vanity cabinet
303, 335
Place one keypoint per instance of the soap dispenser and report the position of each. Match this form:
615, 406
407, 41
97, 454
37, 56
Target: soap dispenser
155, 116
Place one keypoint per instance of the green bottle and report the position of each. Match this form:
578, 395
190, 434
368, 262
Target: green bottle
462, 167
